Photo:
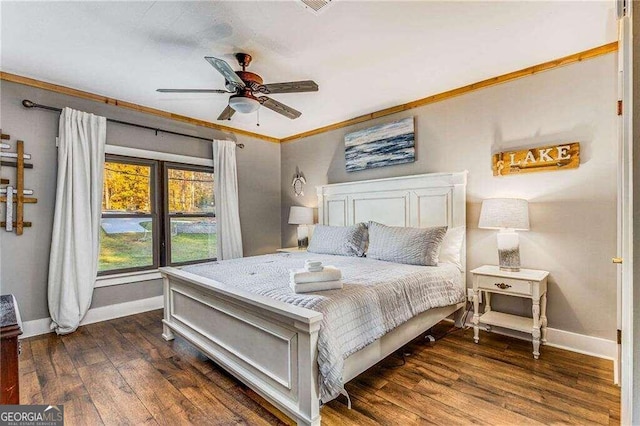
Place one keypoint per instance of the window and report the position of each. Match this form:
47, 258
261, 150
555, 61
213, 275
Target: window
155, 213
190, 211
129, 216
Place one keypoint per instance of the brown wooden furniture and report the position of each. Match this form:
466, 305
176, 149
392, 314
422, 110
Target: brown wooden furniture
10, 329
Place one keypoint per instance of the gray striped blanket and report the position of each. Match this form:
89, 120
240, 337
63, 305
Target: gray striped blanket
377, 297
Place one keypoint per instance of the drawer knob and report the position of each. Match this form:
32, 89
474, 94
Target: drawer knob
503, 286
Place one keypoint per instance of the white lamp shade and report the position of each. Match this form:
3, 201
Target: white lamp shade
504, 213
244, 105
299, 215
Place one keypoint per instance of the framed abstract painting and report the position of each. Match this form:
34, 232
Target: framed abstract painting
381, 145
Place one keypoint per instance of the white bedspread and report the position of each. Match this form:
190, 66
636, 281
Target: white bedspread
377, 297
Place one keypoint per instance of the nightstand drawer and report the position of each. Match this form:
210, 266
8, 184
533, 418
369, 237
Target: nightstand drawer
505, 285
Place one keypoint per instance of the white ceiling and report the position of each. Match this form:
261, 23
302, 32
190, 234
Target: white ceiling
364, 55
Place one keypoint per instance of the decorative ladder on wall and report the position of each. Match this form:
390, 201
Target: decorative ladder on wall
15, 195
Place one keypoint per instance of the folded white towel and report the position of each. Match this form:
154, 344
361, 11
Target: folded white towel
313, 265
301, 276
317, 286
314, 268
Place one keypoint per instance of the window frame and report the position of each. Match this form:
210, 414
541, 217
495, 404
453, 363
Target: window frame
159, 211
167, 215
153, 205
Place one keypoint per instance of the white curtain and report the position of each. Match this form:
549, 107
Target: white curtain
75, 245
229, 244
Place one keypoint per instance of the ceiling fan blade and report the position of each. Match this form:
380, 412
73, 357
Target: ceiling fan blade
289, 87
227, 113
226, 70
279, 107
192, 91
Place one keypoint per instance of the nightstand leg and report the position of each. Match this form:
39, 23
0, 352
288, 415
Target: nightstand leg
476, 315
487, 304
536, 328
543, 318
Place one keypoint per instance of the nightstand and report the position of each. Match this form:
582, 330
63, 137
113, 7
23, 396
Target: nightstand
292, 250
526, 283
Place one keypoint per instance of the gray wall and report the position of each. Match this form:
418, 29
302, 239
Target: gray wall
24, 260
573, 213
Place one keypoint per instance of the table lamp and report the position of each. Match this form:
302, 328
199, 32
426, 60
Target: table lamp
301, 216
508, 215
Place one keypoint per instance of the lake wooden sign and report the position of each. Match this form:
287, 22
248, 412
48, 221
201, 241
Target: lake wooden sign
540, 159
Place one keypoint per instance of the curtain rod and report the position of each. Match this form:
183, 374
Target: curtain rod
30, 104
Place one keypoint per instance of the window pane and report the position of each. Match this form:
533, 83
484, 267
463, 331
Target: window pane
127, 188
190, 191
193, 239
125, 243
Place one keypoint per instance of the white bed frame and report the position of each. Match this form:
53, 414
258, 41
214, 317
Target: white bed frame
271, 346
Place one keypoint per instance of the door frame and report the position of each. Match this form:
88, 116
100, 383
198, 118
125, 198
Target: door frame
624, 373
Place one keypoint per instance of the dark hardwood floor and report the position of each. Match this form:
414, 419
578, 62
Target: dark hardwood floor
123, 372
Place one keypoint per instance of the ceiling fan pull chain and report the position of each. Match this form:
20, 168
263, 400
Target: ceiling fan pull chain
258, 112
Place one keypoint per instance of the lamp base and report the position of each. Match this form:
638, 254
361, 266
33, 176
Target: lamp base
303, 236
508, 251
507, 269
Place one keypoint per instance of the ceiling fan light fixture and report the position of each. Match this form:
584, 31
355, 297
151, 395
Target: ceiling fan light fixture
244, 104
249, 88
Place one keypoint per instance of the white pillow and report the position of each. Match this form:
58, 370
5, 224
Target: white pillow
339, 240
451, 247
413, 246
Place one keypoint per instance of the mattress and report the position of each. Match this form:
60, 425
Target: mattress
377, 297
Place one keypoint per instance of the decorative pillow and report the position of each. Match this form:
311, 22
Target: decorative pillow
413, 246
451, 247
340, 240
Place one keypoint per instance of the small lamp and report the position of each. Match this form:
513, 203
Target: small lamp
301, 216
508, 215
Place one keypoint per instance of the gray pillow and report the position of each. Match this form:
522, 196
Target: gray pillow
413, 246
340, 240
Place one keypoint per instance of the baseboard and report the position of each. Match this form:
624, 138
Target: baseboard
574, 342
580, 343
103, 313
588, 345
35, 327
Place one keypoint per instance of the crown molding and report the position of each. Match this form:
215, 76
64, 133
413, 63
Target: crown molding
546, 66
15, 78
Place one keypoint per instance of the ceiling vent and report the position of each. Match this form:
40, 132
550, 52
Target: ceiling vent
316, 6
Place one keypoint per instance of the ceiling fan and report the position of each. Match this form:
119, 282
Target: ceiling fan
248, 89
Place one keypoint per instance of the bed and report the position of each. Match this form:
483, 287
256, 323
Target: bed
280, 344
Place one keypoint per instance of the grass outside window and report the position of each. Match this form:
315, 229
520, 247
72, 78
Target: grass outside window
152, 219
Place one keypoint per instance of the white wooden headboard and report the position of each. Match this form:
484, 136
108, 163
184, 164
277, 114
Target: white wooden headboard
434, 199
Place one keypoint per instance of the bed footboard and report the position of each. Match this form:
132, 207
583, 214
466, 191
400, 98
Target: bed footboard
270, 346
